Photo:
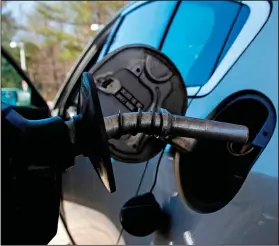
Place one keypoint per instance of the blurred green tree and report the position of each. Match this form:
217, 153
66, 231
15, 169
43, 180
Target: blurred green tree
9, 28
55, 33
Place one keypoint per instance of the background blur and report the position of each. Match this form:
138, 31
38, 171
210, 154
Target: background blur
52, 35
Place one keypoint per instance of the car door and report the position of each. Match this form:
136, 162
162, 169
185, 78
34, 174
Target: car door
18, 90
194, 200
165, 23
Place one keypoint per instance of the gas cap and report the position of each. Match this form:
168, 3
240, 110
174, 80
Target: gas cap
141, 215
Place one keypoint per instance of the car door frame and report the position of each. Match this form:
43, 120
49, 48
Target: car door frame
37, 101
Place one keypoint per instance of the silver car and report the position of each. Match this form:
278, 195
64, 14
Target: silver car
218, 193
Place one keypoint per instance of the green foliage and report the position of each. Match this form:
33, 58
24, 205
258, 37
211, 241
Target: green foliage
54, 35
9, 28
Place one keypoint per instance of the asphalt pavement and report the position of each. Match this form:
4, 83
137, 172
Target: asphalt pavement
87, 226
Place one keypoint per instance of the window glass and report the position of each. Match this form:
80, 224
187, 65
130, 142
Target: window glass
144, 25
14, 90
198, 35
241, 19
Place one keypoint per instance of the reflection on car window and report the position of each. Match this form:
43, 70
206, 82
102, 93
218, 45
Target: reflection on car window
144, 25
241, 19
198, 34
14, 90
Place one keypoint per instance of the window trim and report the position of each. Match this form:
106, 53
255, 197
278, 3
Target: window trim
259, 14
133, 6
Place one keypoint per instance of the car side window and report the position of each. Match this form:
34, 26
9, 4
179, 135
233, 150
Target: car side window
144, 25
198, 35
14, 90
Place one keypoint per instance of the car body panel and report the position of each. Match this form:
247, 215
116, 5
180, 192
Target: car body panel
259, 14
251, 209
252, 215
